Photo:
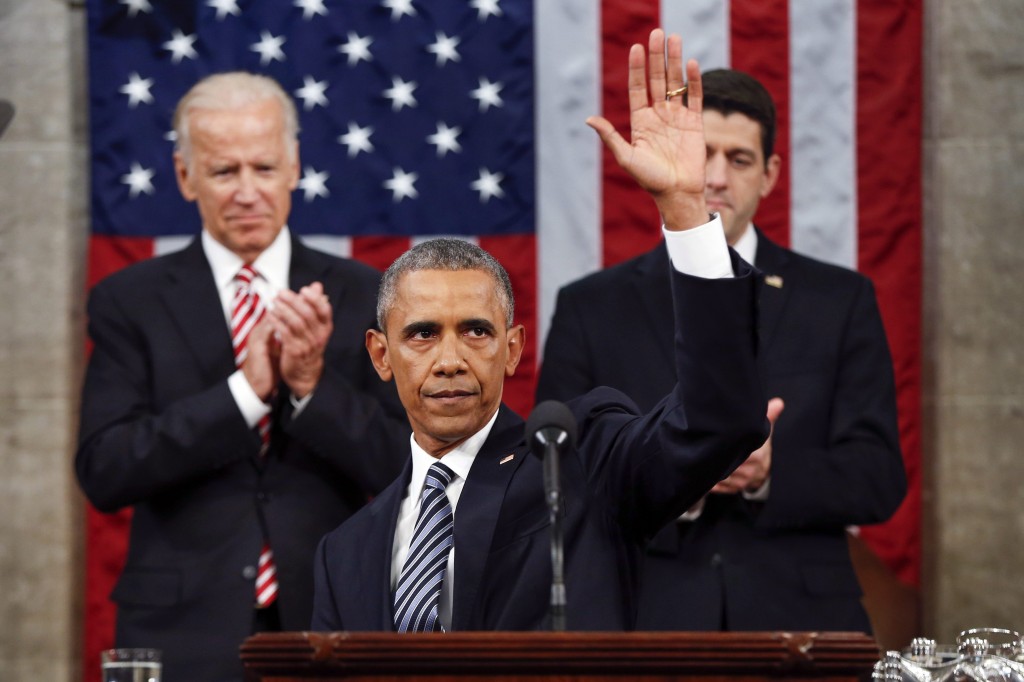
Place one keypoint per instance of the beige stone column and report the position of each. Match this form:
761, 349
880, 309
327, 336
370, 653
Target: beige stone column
43, 230
974, 315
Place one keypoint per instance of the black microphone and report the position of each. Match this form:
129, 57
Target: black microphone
551, 424
551, 431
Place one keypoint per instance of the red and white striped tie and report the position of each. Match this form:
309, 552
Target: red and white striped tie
246, 310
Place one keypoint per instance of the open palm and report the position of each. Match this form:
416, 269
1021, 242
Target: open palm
666, 152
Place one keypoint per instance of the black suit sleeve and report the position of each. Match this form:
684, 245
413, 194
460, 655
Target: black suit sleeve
659, 463
130, 448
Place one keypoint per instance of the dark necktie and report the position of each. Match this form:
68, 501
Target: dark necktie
419, 586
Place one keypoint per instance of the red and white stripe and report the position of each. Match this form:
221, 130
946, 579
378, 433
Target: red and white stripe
266, 578
246, 311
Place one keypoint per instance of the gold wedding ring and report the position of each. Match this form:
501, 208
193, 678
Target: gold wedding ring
673, 93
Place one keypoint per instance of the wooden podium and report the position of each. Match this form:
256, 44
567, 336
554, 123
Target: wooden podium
563, 656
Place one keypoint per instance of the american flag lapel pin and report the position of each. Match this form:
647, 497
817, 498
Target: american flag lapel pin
507, 458
773, 281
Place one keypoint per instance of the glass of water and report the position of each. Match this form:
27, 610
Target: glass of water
130, 665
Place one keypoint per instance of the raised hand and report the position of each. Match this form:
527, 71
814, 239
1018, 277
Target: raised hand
666, 151
302, 326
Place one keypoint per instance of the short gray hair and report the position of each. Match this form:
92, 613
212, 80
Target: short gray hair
232, 90
444, 254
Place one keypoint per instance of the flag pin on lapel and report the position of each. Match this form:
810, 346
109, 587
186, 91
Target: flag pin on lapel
773, 281
507, 458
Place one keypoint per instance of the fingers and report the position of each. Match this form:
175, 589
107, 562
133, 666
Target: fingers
638, 98
259, 367
674, 54
694, 87
611, 137
303, 316
656, 67
775, 408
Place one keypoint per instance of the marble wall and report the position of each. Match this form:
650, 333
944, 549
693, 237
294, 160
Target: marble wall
974, 324
43, 230
974, 315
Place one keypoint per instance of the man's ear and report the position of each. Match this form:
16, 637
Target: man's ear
772, 169
184, 181
516, 339
377, 347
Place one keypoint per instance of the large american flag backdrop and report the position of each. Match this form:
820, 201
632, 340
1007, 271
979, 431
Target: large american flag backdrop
465, 117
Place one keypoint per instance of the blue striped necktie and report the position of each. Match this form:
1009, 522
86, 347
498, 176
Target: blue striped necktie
419, 586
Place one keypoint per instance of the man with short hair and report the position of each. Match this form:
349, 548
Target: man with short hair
228, 397
767, 549
461, 540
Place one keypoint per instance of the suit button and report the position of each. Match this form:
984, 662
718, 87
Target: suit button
716, 560
249, 572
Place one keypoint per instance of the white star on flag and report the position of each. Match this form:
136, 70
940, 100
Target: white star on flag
356, 139
488, 184
136, 6
269, 48
224, 8
443, 48
487, 93
401, 185
446, 139
357, 47
312, 93
180, 46
137, 89
399, 8
313, 184
400, 93
311, 7
485, 8
138, 180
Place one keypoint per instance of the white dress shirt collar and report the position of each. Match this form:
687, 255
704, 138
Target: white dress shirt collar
459, 460
746, 245
273, 264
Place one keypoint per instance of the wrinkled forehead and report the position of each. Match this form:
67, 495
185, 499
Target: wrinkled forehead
446, 295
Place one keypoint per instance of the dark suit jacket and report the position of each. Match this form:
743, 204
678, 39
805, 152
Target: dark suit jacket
161, 432
628, 476
784, 563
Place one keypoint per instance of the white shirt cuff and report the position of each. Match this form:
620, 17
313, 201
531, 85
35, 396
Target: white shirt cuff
249, 404
700, 251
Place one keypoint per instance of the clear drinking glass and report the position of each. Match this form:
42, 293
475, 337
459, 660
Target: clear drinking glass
130, 665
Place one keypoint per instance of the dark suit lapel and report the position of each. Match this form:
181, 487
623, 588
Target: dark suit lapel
375, 561
653, 289
772, 260
478, 510
191, 298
